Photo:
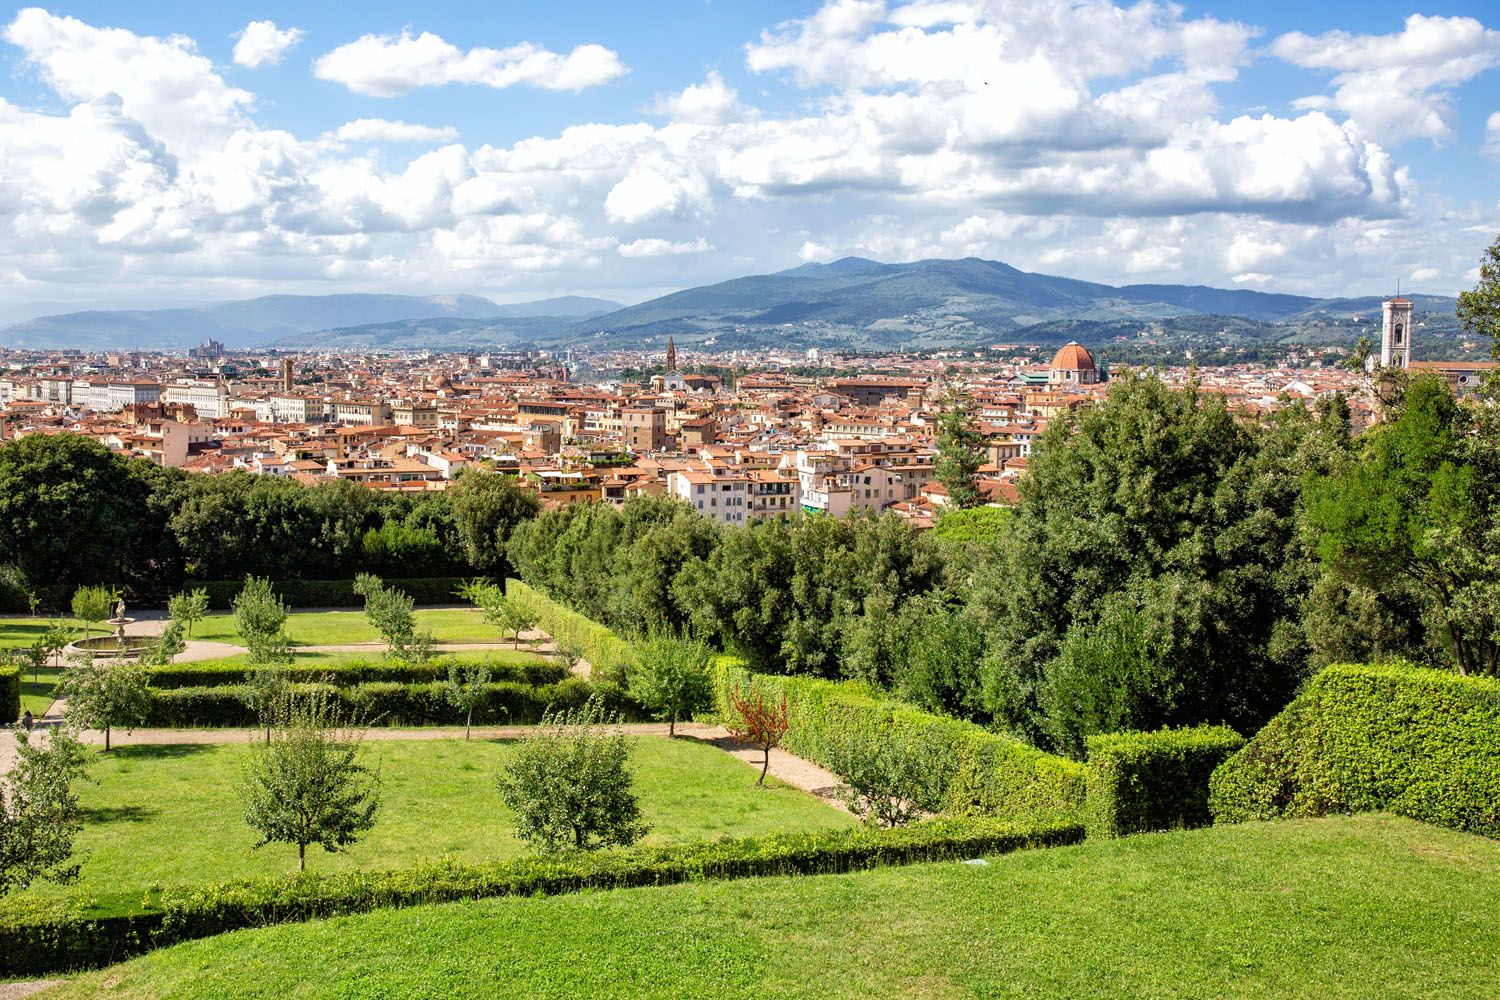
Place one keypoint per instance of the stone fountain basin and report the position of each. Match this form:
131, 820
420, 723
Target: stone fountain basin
105, 646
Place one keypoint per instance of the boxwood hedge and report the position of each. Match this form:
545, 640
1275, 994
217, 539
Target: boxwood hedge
989, 774
10, 693
609, 655
1417, 742
1141, 781
35, 948
331, 593
212, 673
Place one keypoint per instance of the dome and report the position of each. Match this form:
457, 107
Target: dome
1074, 357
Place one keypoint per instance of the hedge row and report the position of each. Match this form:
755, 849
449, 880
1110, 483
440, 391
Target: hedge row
331, 593
989, 774
63, 945
1421, 743
10, 694
608, 654
386, 703
213, 673
1143, 781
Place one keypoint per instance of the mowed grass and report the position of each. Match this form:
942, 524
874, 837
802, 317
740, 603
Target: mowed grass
336, 628
334, 659
1352, 907
36, 689
161, 816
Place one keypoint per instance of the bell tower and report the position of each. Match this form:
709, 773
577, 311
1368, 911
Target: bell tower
1396, 333
671, 354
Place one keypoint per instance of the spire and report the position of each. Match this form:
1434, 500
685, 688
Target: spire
671, 354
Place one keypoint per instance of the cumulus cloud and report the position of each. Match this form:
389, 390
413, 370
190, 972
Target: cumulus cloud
261, 42
655, 247
383, 130
1492, 136
711, 102
391, 65
1397, 86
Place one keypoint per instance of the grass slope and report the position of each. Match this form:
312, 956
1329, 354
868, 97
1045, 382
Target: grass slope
169, 815
331, 628
1368, 906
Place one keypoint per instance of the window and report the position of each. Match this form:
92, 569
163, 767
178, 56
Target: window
700, 490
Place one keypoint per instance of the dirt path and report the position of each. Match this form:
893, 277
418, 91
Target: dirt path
15, 991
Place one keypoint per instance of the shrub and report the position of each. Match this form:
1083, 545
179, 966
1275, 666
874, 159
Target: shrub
891, 778
610, 657
210, 673
670, 679
991, 774
76, 942
1153, 781
10, 693
1420, 743
332, 593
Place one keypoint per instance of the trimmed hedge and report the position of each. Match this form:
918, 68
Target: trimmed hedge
990, 775
609, 656
214, 673
1416, 742
65, 945
386, 703
1139, 781
10, 694
330, 593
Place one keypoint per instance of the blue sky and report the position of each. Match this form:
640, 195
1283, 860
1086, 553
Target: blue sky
168, 152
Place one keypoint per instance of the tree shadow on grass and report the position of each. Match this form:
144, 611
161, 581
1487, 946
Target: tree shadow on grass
117, 814
161, 751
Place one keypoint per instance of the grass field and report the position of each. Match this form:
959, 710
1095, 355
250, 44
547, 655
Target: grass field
523, 655
331, 628
36, 694
169, 815
1353, 907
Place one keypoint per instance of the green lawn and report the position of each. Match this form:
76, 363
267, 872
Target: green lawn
1339, 908
16, 632
523, 655
25, 631
36, 690
330, 628
169, 815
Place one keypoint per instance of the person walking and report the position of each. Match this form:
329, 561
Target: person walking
27, 721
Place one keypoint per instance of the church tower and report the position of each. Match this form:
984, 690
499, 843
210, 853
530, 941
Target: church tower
671, 355
1395, 333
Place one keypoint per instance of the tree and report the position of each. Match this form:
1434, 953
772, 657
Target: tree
570, 784
260, 618
106, 696
310, 785
1418, 513
758, 720
170, 644
504, 614
55, 638
670, 678
188, 607
960, 452
39, 813
467, 688
392, 613
1479, 309
891, 777
486, 509
267, 688
93, 604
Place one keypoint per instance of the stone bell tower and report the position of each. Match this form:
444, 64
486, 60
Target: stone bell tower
1395, 333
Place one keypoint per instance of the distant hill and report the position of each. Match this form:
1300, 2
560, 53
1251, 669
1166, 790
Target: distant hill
254, 322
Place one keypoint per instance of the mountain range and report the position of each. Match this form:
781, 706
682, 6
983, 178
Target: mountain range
851, 302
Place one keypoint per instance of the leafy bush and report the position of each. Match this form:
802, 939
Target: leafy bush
1420, 743
989, 774
332, 593
1154, 781
71, 943
10, 694
211, 673
384, 702
609, 656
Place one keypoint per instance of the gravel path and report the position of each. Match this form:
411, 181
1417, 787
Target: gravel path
15, 991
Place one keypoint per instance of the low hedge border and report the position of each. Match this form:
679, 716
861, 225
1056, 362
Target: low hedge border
1416, 742
331, 593
214, 673
66, 945
388, 703
991, 774
10, 693
1144, 781
609, 656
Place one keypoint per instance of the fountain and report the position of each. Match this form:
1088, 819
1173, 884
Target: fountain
116, 646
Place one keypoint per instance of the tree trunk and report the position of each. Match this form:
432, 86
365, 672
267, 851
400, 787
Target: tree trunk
672, 727
468, 724
765, 766
302, 857
106, 739
578, 837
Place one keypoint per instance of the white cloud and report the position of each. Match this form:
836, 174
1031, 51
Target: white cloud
390, 65
711, 102
1492, 136
1398, 86
383, 130
262, 42
655, 247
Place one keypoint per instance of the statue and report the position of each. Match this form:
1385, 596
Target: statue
120, 609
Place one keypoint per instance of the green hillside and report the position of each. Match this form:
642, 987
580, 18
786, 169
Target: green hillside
1369, 906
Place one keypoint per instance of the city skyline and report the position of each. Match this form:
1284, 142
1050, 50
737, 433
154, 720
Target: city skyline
162, 156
